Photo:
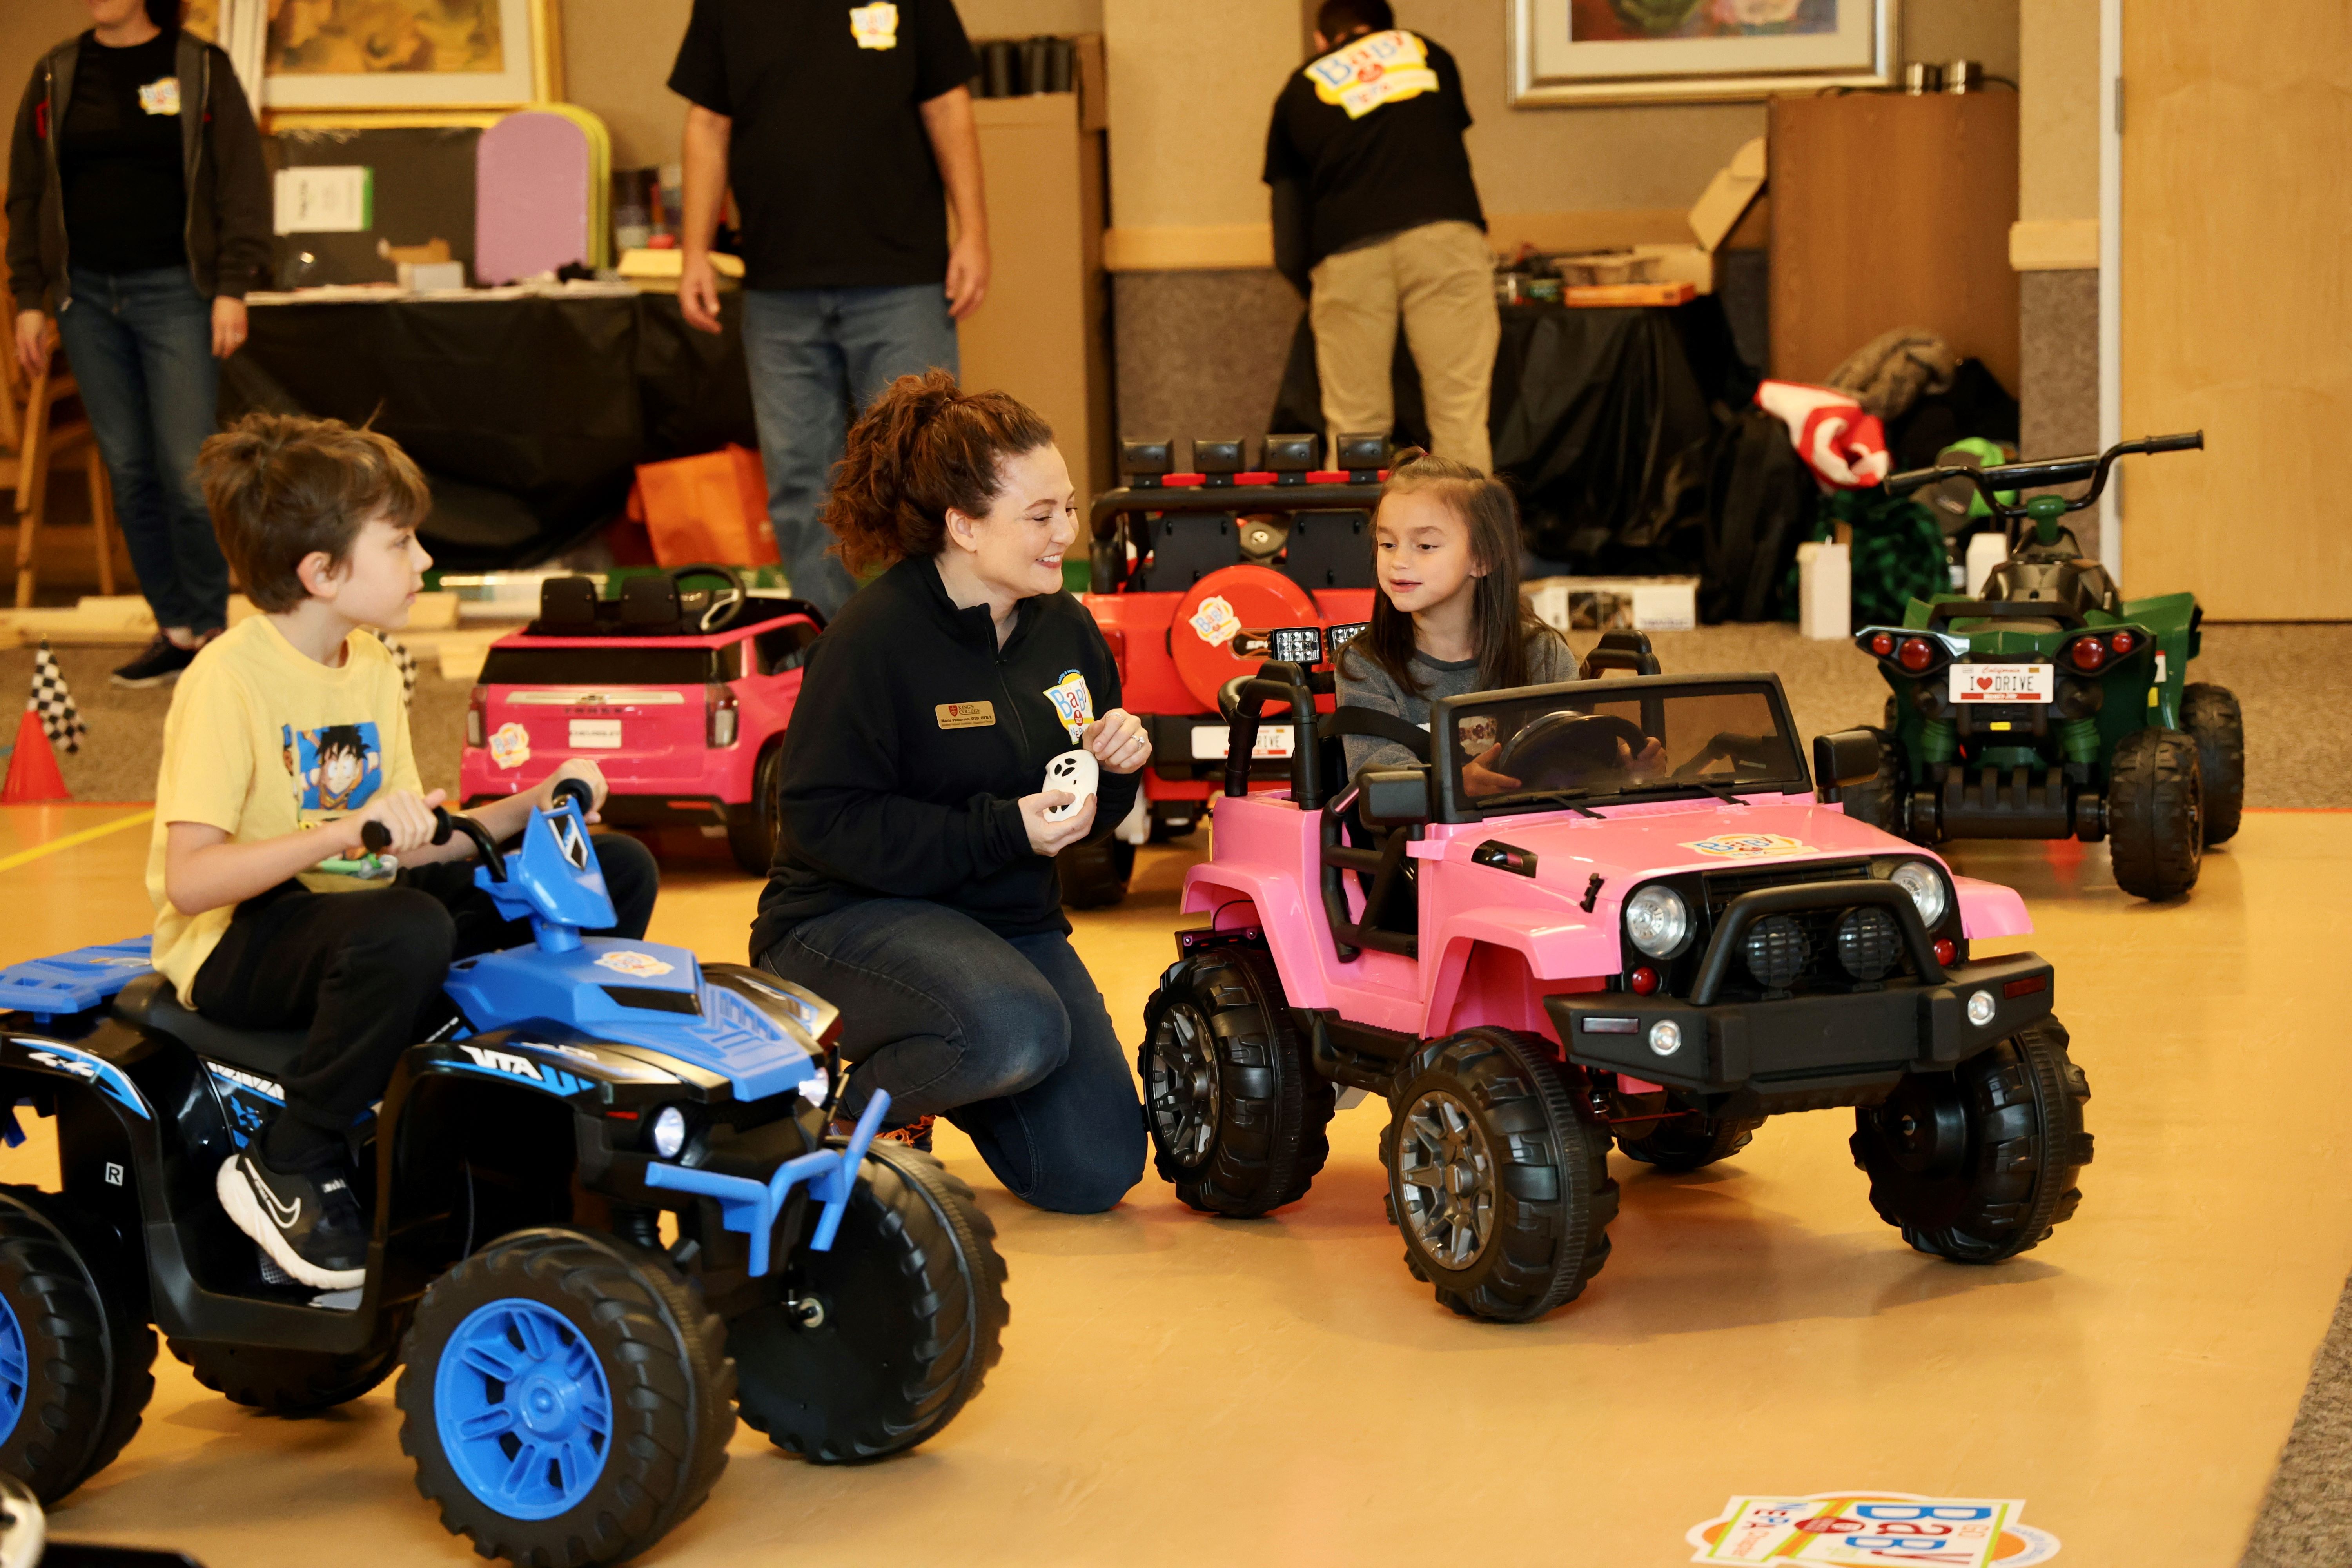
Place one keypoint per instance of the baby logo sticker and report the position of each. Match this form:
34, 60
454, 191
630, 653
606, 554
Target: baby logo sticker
643, 965
1744, 846
1385, 68
161, 96
509, 746
1214, 621
1073, 705
1873, 1527
337, 767
874, 26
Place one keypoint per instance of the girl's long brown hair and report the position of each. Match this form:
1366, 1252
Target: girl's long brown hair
923, 446
1499, 618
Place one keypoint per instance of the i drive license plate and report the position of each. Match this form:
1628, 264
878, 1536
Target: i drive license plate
2004, 683
1210, 741
596, 734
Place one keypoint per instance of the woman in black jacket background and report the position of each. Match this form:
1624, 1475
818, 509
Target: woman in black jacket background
139, 213
914, 886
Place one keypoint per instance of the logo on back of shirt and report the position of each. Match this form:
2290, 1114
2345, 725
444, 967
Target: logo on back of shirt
337, 767
1366, 72
874, 26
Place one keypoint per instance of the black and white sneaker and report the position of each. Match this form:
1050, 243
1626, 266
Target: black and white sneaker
308, 1223
162, 662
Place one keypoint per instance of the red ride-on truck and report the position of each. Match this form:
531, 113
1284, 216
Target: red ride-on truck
1197, 577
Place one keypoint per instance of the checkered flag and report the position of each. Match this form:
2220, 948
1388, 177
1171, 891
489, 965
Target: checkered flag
54, 703
405, 660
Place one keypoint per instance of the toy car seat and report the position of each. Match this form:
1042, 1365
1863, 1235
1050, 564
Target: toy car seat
1619, 653
1329, 550
150, 1003
2058, 575
567, 607
649, 604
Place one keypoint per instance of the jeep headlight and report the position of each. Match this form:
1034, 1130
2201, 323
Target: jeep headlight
1926, 889
1657, 921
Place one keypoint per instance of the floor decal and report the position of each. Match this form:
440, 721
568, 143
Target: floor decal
1874, 1528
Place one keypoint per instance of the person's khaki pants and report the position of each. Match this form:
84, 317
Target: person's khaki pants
1440, 280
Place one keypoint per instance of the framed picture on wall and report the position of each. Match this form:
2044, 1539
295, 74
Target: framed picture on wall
1648, 51
343, 54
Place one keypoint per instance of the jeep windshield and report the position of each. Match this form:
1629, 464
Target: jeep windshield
1584, 743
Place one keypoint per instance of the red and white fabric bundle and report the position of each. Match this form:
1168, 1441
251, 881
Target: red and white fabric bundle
1844, 447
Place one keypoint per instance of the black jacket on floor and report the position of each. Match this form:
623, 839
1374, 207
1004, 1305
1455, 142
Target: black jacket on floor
913, 740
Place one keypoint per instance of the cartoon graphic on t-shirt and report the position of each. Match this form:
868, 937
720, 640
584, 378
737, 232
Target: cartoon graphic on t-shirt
339, 766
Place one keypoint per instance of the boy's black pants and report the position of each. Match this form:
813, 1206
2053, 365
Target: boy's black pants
362, 969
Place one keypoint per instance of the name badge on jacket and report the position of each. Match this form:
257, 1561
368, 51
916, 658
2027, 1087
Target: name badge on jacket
965, 715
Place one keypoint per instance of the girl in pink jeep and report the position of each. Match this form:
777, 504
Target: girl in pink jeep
1448, 618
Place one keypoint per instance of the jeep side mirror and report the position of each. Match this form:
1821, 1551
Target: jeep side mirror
1844, 759
1396, 794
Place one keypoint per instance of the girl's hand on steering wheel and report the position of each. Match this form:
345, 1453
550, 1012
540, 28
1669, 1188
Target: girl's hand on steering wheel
1650, 762
1118, 740
1479, 777
1050, 838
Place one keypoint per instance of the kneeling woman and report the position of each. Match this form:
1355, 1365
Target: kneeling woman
915, 887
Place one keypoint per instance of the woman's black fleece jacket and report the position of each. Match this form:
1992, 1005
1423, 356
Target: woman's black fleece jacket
913, 740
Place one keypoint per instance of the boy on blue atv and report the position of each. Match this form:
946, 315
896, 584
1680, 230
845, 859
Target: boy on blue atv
287, 737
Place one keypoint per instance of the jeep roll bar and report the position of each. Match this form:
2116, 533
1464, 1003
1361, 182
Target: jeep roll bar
2043, 510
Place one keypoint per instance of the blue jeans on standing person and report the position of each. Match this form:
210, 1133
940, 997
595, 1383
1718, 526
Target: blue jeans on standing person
816, 358
1006, 1037
141, 348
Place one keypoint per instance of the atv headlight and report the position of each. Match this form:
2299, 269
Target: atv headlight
669, 1131
1657, 921
1926, 889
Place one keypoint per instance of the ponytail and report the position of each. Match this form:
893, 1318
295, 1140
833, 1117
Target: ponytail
924, 446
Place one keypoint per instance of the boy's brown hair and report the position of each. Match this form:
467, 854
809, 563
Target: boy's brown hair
283, 486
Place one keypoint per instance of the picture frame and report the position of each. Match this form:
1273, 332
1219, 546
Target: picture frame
337, 56
1697, 51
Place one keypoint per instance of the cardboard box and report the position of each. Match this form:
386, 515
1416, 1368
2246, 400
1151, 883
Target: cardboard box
1716, 213
1615, 604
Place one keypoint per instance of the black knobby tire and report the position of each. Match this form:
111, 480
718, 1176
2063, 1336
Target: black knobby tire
2210, 713
662, 1354
1547, 1197
1239, 1119
1690, 1141
753, 828
1095, 875
2155, 833
1981, 1164
908, 1317
292, 1383
1884, 803
86, 1378
116, 1273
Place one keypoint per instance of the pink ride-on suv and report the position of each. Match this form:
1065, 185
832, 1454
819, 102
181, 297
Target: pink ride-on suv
681, 696
1611, 910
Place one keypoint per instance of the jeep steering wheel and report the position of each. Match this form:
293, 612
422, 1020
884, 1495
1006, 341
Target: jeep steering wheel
722, 613
1563, 749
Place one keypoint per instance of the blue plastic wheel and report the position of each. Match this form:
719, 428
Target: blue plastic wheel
523, 1409
16, 1370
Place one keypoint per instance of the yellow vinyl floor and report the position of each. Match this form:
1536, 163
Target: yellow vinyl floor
1185, 1391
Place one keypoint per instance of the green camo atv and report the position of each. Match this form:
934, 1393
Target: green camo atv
2052, 707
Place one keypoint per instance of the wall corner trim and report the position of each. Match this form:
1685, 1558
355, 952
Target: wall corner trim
1235, 247
2055, 245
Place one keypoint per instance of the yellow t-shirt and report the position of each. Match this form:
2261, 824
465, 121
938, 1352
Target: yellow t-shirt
262, 740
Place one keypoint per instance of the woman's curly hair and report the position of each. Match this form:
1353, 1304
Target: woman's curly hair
922, 446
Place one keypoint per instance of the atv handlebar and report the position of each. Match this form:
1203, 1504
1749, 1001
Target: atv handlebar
1991, 481
375, 838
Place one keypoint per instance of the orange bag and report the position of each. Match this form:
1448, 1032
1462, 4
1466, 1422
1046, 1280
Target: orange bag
709, 507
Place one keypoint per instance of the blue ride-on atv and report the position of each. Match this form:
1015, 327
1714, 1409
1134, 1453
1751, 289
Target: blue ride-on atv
573, 1374
2049, 706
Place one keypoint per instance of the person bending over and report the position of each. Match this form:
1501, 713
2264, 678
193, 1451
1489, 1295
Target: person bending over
287, 734
914, 883
1448, 619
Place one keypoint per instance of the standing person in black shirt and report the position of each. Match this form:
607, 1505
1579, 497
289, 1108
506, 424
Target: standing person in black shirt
846, 131
914, 886
140, 212
1376, 218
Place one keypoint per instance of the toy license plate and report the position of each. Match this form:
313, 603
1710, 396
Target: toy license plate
596, 734
2004, 683
1210, 741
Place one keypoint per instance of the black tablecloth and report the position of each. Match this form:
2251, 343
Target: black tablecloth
1589, 407
529, 415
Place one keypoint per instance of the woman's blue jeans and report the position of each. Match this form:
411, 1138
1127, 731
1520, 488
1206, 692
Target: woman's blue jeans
141, 348
1007, 1038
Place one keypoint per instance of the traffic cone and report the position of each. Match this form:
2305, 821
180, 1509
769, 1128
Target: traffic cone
33, 774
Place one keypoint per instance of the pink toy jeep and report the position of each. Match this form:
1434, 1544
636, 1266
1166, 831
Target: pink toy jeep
1609, 910
681, 697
